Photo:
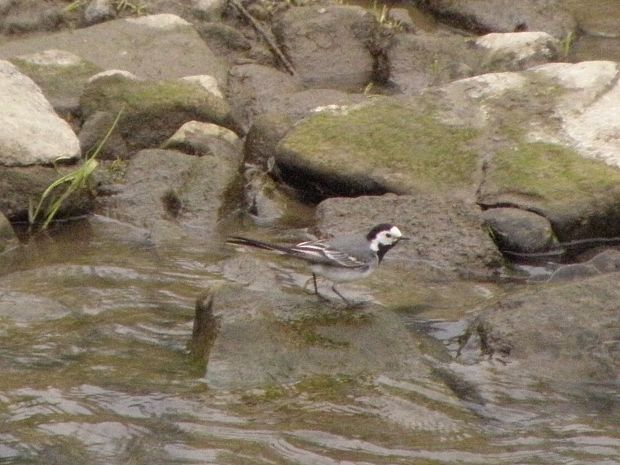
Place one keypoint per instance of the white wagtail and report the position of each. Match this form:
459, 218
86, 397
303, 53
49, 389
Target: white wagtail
340, 259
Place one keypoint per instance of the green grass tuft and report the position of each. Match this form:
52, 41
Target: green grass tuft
50, 203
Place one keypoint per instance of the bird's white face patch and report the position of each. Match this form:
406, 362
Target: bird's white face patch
386, 238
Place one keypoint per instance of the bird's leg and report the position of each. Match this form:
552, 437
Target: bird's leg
347, 301
313, 279
316, 289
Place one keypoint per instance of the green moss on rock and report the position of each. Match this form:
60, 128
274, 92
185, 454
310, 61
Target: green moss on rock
552, 173
153, 110
398, 147
580, 196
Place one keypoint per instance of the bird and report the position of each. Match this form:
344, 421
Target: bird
339, 259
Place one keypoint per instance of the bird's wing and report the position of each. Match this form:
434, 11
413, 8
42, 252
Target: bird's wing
321, 252
311, 251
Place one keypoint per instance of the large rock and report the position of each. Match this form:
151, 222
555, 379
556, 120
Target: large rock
590, 94
271, 338
174, 195
519, 231
30, 131
151, 47
539, 140
254, 88
384, 145
483, 16
417, 61
22, 186
430, 221
29, 15
513, 51
153, 110
329, 46
568, 331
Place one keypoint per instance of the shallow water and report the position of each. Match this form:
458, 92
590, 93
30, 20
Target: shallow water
94, 326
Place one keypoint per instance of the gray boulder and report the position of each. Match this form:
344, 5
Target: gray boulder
174, 195
153, 110
252, 89
22, 186
30, 131
446, 233
565, 332
520, 231
160, 46
512, 51
329, 46
483, 16
94, 131
99, 11
417, 61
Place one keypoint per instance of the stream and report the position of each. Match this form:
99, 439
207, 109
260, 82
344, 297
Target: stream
94, 325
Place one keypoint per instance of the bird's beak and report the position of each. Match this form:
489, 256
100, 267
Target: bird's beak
404, 238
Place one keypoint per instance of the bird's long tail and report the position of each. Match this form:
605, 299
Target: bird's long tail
238, 240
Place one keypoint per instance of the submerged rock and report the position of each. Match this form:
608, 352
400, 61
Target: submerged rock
266, 339
566, 331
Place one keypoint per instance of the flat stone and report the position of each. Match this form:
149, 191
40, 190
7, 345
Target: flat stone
151, 47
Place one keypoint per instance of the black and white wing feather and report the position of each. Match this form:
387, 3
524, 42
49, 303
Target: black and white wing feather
319, 252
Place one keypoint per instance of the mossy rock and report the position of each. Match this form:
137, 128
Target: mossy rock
384, 146
60, 75
154, 110
580, 196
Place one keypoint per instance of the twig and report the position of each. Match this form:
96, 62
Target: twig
272, 45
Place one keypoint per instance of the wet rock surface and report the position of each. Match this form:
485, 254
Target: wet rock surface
173, 194
520, 231
570, 330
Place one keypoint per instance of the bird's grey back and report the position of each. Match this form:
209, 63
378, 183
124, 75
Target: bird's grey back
355, 245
